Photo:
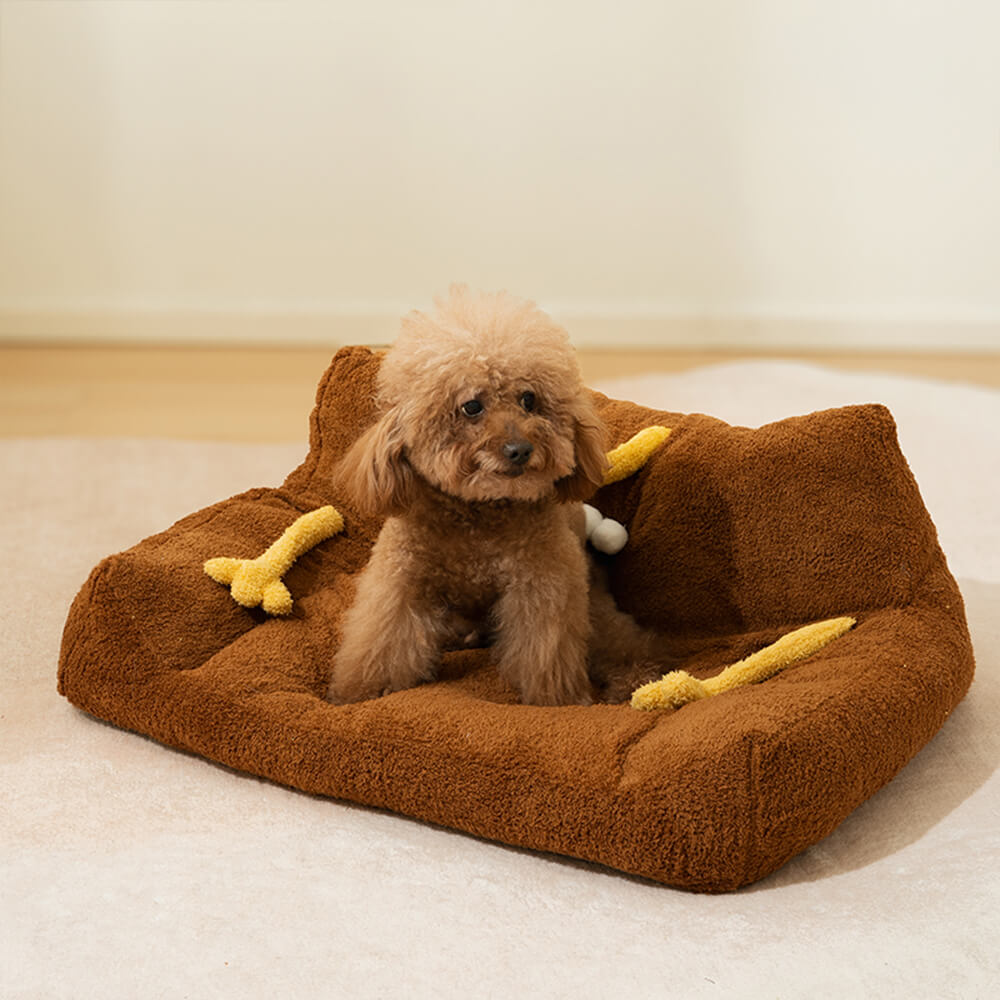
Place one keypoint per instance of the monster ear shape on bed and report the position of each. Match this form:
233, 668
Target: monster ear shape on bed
374, 473
591, 453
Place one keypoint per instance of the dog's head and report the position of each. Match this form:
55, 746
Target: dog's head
483, 401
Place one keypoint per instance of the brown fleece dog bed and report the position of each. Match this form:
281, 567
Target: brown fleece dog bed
737, 536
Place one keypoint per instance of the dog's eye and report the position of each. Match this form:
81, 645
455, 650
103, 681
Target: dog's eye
528, 401
472, 408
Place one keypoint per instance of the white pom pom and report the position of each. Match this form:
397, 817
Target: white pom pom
609, 537
594, 518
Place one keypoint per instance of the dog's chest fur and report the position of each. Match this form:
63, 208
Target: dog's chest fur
464, 556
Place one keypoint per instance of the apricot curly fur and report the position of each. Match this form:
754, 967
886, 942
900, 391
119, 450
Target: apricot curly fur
485, 445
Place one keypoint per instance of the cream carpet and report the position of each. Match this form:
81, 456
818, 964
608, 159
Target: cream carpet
133, 871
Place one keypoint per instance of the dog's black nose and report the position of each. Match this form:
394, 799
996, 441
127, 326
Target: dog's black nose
518, 452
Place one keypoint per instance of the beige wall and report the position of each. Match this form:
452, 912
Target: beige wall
750, 172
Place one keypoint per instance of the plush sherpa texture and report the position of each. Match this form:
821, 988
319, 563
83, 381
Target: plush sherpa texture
737, 536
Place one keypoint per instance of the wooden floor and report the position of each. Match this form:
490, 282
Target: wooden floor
266, 394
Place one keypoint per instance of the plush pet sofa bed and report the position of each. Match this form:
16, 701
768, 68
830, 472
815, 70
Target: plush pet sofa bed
737, 536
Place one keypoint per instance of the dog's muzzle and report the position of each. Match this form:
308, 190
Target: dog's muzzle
518, 453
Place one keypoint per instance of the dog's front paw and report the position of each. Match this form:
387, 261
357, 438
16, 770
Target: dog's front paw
352, 696
545, 689
347, 686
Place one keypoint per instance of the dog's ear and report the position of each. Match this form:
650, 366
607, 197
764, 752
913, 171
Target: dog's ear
590, 441
374, 472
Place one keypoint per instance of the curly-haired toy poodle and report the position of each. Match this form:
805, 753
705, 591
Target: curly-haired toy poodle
486, 445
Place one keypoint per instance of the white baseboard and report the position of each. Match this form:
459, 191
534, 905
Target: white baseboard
188, 327
785, 332
593, 329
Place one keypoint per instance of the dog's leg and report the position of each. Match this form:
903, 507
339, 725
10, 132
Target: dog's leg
542, 631
390, 640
